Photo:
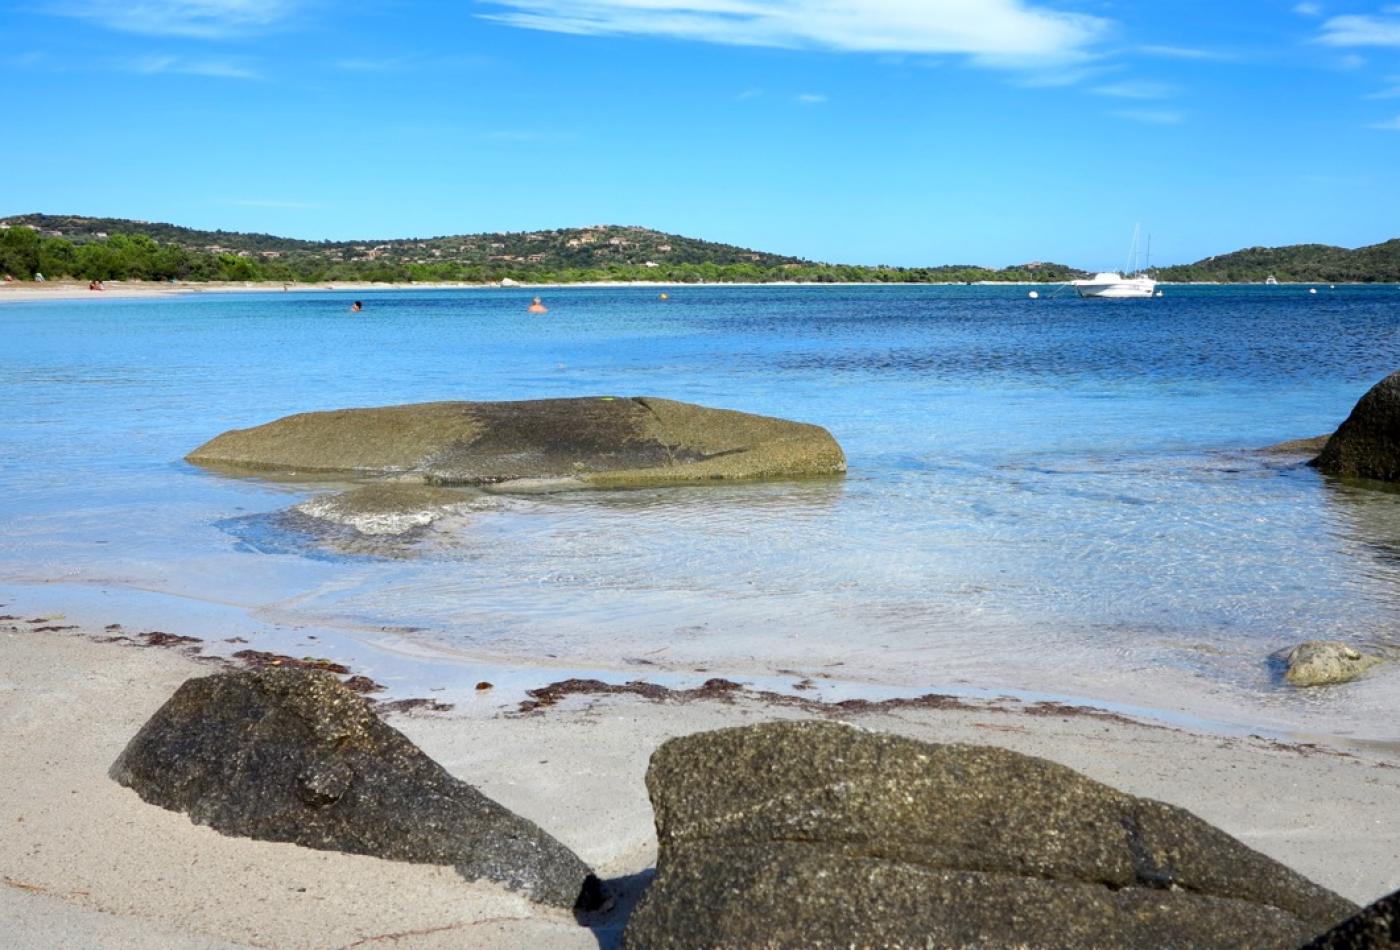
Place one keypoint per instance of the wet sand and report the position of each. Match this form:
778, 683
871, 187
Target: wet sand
86, 862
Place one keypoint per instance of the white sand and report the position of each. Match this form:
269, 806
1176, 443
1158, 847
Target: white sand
84, 862
28, 292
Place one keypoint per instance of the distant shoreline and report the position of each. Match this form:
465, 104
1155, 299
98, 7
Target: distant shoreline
30, 291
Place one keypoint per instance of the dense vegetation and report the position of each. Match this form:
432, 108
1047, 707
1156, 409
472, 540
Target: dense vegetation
119, 249
1320, 263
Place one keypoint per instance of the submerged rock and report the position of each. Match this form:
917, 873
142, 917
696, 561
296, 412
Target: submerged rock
384, 509
594, 442
286, 755
814, 834
1297, 447
1367, 445
1320, 662
1377, 927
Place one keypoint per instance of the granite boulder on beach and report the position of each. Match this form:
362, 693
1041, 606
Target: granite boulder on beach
291, 755
1367, 444
816, 834
600, 442
1324, 662
1376, 927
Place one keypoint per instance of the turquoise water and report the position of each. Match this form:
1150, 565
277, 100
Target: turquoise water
1055, 496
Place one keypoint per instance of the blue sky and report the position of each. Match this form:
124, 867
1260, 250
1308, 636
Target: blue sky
871, 131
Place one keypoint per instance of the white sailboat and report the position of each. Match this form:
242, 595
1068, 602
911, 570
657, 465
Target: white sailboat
1133, 283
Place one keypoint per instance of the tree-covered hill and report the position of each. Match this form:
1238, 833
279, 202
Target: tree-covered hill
1320, 263
117, 248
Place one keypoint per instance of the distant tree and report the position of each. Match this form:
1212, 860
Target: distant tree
19, 252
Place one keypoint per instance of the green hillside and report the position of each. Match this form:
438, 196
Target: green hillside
1319, 263
118, 248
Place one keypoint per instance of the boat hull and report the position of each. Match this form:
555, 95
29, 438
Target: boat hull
1125, 288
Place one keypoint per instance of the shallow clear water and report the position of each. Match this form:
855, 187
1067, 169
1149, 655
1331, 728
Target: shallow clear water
1053, 495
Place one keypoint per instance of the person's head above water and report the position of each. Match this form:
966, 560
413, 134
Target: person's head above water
536, 307
356, 307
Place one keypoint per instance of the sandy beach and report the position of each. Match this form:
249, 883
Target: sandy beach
29, 292
86, 862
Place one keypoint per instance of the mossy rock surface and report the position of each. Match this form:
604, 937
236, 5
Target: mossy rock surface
816, 834
586, 442
1377, 927
1326, 662
1367, 444
295, 756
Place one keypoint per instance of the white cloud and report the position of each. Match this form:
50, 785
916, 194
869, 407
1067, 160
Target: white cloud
1351, 61
1008, 33
1308, 9
1184, 52
1151, 116
1389, 125
1136, 89
197, 18
218, 69
1361, 31
811, 98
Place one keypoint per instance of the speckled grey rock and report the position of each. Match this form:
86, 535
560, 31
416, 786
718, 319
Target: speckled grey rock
598, 442
289, 755
1367, 444
815, 834
1377, 927
1323, 662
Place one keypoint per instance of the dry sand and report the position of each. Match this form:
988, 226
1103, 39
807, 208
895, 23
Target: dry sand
84, 862
25, 291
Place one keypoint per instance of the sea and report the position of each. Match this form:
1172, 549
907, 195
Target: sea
1047, 499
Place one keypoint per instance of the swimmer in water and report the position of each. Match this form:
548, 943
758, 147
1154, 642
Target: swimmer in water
356, 307
536, 307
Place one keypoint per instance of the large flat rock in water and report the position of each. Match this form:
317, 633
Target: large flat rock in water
597, 441
815, 834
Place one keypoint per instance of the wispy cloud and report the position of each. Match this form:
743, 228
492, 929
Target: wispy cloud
1389, 125
23, 60
1308, 9
364, 65
1390, 92
749, 94
810, 98
1362, 30
214, 68
1185, 52
999, 33
195, 18
1136, 89
1150, 116
1063, 76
